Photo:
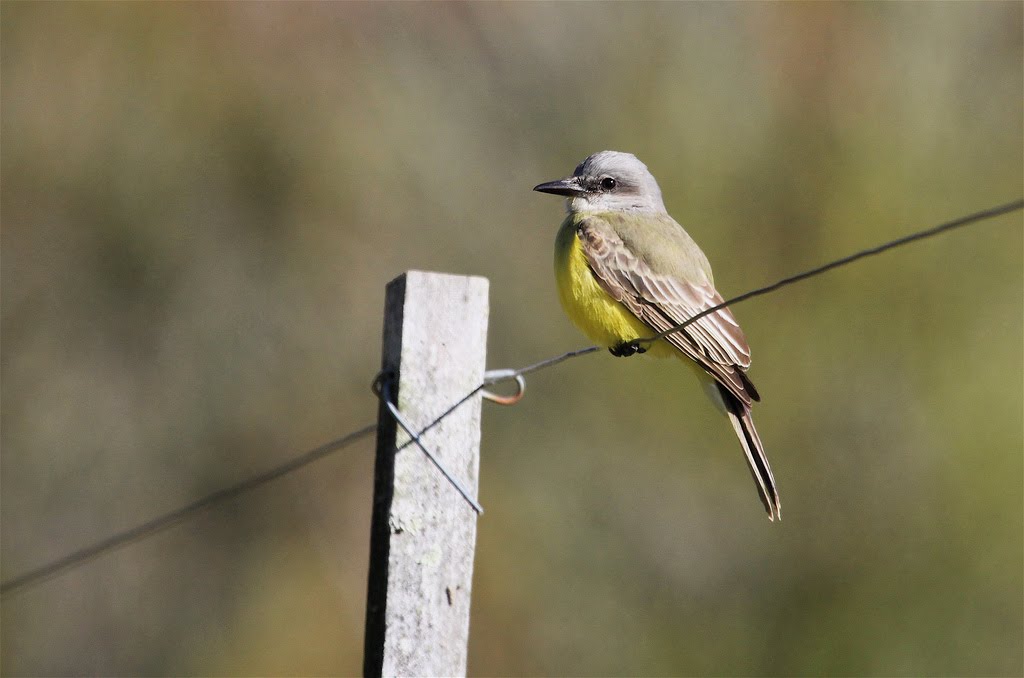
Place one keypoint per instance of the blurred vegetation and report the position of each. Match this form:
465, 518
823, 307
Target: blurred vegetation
201, 204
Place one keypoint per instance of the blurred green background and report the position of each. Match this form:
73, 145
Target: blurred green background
202, 203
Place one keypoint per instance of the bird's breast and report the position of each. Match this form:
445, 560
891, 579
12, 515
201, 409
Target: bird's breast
588, 305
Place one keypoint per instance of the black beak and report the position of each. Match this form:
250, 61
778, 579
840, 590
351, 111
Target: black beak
568, 187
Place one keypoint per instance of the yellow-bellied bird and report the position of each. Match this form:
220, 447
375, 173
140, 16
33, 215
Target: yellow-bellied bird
627, 270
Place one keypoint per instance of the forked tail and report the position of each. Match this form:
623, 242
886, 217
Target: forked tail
739, 415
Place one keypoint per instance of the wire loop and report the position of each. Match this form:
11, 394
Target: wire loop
499, 376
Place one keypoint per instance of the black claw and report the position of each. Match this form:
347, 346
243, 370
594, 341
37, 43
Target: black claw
626, 349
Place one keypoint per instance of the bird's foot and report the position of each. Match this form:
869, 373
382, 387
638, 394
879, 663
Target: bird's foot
626, 349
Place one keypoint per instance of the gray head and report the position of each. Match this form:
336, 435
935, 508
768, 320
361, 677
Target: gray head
609, 181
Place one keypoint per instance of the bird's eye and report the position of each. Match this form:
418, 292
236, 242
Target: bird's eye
607, 183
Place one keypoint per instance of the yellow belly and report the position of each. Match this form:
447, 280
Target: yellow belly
598, 315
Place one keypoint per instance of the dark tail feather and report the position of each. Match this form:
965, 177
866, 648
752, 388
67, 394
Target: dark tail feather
739, 415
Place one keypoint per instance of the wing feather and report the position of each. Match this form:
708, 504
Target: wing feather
715, 342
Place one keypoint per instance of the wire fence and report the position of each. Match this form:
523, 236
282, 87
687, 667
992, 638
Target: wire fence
151, 527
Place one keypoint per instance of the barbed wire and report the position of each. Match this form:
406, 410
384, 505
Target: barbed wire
162, 522
382, 388
155, 525
849, 259
504, 375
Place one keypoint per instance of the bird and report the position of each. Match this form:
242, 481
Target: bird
626, 270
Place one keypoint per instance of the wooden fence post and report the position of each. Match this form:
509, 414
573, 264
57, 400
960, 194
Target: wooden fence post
423, 532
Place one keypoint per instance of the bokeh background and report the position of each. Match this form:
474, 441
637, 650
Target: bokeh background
202, 203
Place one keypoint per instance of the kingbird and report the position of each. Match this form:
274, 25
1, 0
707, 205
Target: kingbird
626, 270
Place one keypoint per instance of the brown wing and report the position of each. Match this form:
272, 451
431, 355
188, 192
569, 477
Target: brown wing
715, 342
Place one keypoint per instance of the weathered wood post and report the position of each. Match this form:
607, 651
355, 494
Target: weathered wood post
423, 532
